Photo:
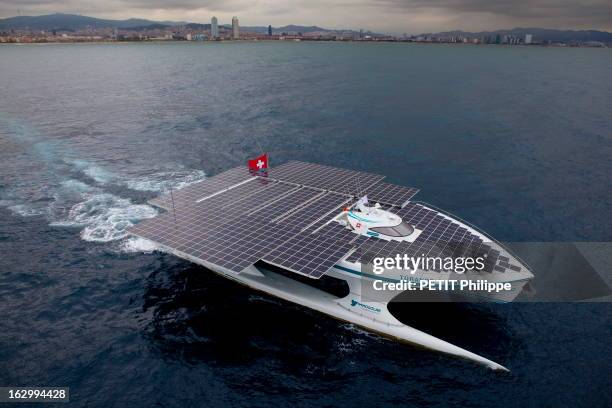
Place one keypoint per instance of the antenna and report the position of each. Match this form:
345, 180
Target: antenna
202, 157
258, 144
348, 188
173, 208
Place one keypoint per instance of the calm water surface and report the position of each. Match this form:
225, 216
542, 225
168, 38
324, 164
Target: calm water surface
515, 140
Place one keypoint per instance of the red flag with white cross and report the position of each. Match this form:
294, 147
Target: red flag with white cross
259, 163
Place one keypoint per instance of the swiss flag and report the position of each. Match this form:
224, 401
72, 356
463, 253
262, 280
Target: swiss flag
259, 163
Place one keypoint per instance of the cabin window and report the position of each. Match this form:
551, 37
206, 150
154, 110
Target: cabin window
401, 230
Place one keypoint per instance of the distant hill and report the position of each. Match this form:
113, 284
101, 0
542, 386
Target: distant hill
61, 21
539, 34
293, 29
197, 26
72, 22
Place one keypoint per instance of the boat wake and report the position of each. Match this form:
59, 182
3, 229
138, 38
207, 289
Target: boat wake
138, 245
57, 183
163, 181
104, 217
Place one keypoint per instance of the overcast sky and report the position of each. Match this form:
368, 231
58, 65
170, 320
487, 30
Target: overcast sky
397, 16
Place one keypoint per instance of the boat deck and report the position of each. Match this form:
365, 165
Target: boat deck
236, 218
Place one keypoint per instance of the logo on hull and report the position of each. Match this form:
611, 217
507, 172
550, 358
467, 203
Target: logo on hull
364, 306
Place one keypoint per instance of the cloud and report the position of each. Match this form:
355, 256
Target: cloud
585, 10
410, 16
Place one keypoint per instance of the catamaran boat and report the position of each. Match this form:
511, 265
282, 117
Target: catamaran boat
281, 229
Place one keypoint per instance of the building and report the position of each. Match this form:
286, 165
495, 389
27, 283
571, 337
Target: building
214, 28
235, 28
528, 38
270, 31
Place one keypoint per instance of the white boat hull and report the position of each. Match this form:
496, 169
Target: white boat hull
350, 308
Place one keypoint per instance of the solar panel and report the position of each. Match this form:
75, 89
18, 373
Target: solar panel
256, 200
234, 229
208, 211
228, 197
219, 230
391, 194
367, 251
288, 171
315, 211
349, 182
241, 243
440, 237
313, 254
384, 249
325, 219
286, 203
210, 218
234, 244
202, 188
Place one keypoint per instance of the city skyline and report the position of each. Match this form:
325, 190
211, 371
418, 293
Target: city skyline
388, 16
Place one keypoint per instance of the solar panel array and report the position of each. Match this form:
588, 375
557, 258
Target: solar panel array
371, 248
315, 211
328, 178
440, 237
323, 177
313, 254
234, 219
219, 229
285, 204
323, 220
236, 227
202, 188
391, 194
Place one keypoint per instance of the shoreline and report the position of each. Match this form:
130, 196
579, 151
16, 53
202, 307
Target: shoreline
161, 41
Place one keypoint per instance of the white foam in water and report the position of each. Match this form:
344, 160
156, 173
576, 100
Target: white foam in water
162, 181
77, 186
355, 329
94, 171
105, 217
26, 210
138, 244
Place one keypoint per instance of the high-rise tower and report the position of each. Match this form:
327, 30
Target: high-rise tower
214, 27
235, 28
